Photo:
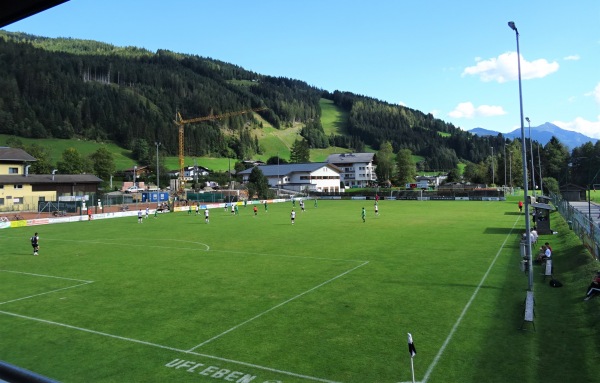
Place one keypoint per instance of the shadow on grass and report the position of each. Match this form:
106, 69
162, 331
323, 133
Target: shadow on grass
565, 345
513, 213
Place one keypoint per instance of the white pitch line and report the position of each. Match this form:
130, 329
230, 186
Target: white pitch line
136, 245
46, 276
46, 292
277, 306
465, 309
288, 256
169, 348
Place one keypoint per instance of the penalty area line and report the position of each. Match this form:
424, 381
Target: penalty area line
466, 308
277, 306
207, 248
251, 365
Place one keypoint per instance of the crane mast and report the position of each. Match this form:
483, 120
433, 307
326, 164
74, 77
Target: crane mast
181, 122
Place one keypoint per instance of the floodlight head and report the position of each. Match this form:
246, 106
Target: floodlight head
527, 118
512, 26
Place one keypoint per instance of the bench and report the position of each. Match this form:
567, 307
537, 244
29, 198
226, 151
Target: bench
548, 269
529, 310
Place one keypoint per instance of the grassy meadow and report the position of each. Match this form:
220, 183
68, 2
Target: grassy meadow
329, 299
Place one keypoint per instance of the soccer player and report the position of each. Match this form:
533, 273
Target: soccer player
147, 211
206, 213
302, 205
35, 243
140, 216
236, 210
376, 209
233, 208
197, 209
266, 208
364, 215
255, 211
293, 216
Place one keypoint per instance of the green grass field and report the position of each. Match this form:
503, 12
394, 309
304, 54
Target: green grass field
329, 299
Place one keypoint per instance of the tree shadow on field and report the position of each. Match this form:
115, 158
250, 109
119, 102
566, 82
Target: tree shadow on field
512, 213
498, 230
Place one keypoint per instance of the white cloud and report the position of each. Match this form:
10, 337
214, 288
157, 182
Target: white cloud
468, 110
504, 68
581, 125
572, 58
596, 93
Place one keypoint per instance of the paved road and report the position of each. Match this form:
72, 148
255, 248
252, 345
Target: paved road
585, 209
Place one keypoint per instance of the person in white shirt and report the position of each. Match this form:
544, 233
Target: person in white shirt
293, 216
534, 236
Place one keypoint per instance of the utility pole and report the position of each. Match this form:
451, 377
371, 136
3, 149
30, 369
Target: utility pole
493, 175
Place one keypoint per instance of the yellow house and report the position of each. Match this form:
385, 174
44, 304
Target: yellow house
21, 191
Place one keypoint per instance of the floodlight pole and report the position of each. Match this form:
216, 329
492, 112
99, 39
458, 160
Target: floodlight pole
493, 174
540, 171
157, 175
510, 168
134, 174
512, 26
531, 152
505, 165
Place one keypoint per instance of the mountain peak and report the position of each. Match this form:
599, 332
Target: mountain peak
542, 134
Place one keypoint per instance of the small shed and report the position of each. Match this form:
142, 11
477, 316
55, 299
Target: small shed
541, 217
572, 192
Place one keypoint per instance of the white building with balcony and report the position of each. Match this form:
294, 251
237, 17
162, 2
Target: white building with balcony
314, 177
357, 169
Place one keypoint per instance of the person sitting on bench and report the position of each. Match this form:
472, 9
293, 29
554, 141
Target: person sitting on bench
594, 288
545, 254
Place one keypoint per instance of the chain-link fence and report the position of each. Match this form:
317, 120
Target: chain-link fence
581, 223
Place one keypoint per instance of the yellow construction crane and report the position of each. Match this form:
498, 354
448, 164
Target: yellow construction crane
180, 122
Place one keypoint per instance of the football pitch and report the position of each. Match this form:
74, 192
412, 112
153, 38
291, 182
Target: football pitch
256, 299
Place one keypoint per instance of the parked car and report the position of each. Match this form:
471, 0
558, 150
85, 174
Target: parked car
133, 189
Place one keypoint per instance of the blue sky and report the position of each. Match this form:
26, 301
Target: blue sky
454, 59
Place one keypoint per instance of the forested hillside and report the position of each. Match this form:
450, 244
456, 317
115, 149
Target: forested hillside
69, 88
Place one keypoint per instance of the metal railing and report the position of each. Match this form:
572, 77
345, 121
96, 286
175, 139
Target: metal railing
581, 224
14, 374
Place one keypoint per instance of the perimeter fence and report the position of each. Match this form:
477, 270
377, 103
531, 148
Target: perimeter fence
581, 223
